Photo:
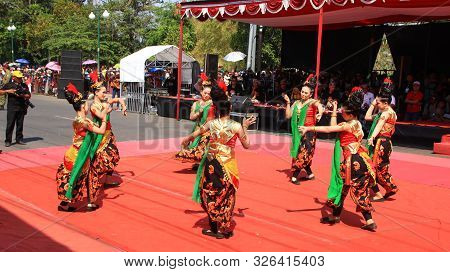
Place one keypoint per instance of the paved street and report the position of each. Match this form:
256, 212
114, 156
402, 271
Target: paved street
49, 124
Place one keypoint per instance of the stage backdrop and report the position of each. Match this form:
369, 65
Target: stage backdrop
425, 48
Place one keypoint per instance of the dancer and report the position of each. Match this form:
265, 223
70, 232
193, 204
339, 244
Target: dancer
379, 140
304, 112
356, 173
73, 175
219, 173
201, 112
106, 157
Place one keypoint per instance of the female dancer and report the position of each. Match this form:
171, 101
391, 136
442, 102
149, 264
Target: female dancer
106, 157
356, 173
305, 112
379, 140
201, 112
220, 177
72, 177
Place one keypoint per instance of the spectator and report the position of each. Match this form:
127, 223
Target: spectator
18, 95
368, 97
5, 76
115, 85
435, 109
414, 103
171, 85
257, 95
331, 93
235, 88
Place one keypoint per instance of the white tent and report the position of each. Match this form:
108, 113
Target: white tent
132, 67
132, 73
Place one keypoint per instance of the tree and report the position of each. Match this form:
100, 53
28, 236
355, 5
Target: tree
165, 28
213, 37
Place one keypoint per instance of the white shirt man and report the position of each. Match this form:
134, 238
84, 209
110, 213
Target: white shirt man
368, 98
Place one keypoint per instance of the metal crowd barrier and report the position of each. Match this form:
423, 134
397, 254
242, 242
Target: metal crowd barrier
137, 100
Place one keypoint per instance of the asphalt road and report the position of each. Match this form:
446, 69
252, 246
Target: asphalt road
49, 124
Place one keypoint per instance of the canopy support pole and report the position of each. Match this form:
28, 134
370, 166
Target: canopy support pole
180, 63
319, 50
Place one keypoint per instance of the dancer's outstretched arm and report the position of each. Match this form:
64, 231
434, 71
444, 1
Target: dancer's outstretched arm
320, 108
203, 129
122, 103
326, 129
288, 106
89, 125
369, 114
333, 120
195, 115
378, 128
242, 133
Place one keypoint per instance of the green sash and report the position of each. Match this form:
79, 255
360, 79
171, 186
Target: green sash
83, 154
196, 141
98, 137
196, 193
296, 121
336, 182
372, 128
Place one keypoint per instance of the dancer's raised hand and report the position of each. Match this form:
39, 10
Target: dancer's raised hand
248, 122
303, 129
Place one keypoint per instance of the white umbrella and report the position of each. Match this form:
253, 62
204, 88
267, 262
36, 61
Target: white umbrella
235, 56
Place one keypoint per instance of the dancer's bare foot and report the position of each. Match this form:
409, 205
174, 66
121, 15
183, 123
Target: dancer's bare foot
370, 225
378, 197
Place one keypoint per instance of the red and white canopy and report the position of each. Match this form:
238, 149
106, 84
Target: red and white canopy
301, 14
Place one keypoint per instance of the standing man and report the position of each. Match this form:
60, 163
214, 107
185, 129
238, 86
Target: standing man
5, 75
115, 85
18, 95
414, 103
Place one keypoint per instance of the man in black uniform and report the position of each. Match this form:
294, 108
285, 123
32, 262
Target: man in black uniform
18, 96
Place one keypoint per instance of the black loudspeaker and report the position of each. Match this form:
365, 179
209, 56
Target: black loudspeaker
211, 65
241, 104
70, 71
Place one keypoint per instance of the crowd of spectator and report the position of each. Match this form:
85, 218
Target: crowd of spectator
425, 98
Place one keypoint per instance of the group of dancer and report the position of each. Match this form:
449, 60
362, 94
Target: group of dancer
359, 172
93, 156
90, 161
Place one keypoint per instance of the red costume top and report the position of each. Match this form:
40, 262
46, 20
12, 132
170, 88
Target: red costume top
311, 113
388, 128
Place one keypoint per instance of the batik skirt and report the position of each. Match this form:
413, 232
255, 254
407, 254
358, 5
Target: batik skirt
381, 160
194, 155
357, 173
218, 194
106, 158
305, 153
84, 187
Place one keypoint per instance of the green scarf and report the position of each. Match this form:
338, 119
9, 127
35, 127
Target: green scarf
336, 182
196, 193
83, 154
372, 128
98, 137
196, 141
296, 121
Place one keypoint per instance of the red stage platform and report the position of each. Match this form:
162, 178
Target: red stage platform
152, 210
444, 146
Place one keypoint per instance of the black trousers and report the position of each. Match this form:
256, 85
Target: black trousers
14, 118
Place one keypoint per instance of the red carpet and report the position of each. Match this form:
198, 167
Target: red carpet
152, 210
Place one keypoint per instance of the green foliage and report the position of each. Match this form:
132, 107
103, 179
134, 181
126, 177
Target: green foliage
45, 27
214, 37
164, 29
